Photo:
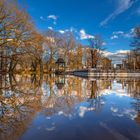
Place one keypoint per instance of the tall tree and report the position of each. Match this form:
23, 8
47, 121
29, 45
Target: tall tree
15, 32
135, 54
18, 38
96, 46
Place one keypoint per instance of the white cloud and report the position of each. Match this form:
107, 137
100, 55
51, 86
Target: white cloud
107, 53
122, 6
122, 51
104, 43
84, 35
114, 37
42, 18
117, 56
132, 30
129, 34
118, 34
61, 31
50, 17
71, 29
54, 17
51, 28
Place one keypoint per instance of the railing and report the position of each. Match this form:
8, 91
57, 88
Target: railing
104, 71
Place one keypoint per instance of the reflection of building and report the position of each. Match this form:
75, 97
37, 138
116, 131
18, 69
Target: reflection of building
60, 81
60, 66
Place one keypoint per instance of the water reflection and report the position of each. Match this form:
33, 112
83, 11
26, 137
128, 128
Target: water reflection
66, 107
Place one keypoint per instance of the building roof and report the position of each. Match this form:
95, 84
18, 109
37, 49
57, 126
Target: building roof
60, 60
60, 85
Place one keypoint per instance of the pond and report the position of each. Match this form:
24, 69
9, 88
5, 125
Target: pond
69, 108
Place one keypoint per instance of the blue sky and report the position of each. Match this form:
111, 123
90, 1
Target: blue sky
114, 20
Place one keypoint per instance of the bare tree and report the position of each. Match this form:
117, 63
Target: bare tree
15, 32
96, 45
19, 40
135, 54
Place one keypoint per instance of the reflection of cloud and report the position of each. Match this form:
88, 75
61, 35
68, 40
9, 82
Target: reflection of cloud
116, 89
48, 118
66, 114
50, 129
45, 92
119, 115
127, 112
102, 102
131, 113
60, 113
61, 104
83, 110
114, 109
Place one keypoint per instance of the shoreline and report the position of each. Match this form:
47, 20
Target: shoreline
93, 73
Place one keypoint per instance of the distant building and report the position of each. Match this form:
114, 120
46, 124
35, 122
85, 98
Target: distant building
125, 64
104, 64
119, 66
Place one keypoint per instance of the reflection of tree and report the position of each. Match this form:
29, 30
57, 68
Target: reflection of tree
95, 98
18, 105
136, 105
22, 96
94, 89
62, 98
74, 90
133, 87
97, 86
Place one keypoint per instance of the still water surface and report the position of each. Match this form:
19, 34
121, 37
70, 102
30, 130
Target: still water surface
69, 108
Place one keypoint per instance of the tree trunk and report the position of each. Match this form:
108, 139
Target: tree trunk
93, 59
13, 64
34, 66
1, 61
41, 66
